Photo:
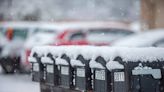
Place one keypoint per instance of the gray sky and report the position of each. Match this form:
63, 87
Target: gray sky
70, 9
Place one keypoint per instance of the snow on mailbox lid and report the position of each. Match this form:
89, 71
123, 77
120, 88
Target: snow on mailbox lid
111, 65
46, 60
144, 54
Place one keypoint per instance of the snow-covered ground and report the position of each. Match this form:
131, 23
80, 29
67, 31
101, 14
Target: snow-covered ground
17, 83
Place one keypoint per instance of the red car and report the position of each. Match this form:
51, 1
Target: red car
93, 36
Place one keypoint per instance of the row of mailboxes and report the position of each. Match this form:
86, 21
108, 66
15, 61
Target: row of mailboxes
78, 78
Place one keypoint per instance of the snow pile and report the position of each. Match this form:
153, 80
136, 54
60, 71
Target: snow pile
60, 61
145, 70
111, 65
76, 63
149, 54
108, 53
46, 60
32, 59
140, 67
41, 38
40, 50
94, 64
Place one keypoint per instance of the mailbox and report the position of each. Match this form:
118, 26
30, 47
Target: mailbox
82, 74
37, 67
66, 71
137, 76
102, 78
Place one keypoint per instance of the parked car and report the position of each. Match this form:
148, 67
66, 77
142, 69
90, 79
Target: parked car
71, 33
151, 38
17, 33
91, 36
47, 37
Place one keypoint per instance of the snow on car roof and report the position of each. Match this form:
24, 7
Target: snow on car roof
142, 39
40, 38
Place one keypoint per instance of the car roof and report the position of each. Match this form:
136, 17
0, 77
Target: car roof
142, 39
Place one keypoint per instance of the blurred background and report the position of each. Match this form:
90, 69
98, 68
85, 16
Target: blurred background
70, 10
28, 23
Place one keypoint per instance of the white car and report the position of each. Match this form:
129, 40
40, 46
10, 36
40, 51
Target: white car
151, 38
13, 51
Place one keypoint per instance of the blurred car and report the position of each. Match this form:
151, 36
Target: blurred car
47, 37
71, 37
91, 36
151, 38
17, 33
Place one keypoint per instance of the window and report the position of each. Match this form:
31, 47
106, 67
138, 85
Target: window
20, 33
77, 36
106, 34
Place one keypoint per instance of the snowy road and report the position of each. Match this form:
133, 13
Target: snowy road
17, 83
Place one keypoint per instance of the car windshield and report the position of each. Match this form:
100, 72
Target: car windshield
106, 35
20, 33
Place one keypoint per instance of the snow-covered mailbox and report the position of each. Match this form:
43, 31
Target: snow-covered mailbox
137, 70
82, 73
37, 66
51, 73
66, 71
101, 76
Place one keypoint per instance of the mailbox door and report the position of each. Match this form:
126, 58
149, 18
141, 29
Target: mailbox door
145, 83
80, 80
65, 76
119, 82
100, 81
35, 72
50, 74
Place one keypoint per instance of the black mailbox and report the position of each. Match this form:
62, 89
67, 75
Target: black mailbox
37, 68
82, 74
51, 73
118, 81
138, 76
66, 72
146, 76
102, 78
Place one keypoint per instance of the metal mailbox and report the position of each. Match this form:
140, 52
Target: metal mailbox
102, 78
82, 74
139, 76
66, 72
37, 68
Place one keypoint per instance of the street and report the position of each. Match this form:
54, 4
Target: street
17, 83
